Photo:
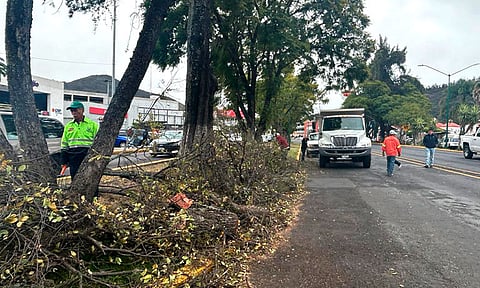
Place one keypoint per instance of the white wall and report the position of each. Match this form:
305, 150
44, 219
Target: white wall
54, 89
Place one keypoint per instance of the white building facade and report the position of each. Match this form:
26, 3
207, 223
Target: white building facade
53, 97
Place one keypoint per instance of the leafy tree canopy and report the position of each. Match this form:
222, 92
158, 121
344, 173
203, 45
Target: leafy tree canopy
255, 41
294, 102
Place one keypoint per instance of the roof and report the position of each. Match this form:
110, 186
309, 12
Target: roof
450, 125
98, 84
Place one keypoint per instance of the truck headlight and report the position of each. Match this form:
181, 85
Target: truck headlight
365, 142
325, 144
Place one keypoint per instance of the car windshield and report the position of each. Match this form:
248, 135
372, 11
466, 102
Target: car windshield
171, 135
342, 123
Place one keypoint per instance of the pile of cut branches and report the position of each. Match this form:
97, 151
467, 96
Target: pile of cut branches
242, 195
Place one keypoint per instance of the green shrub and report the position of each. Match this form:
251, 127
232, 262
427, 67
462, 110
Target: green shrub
243, 194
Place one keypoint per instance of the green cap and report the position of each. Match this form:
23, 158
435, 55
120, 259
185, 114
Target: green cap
75, 105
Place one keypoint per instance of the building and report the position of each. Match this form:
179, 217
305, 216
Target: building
48, 96
53, 97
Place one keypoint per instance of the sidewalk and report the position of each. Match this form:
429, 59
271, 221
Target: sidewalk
335, 242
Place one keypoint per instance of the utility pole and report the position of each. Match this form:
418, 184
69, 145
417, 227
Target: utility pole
113, 50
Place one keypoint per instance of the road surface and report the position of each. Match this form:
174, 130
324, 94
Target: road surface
360, 228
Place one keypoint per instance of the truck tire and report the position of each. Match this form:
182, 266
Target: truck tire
322, 162
467, 153
367, 160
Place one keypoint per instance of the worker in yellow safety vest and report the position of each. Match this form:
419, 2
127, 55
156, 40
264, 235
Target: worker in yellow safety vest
77, 138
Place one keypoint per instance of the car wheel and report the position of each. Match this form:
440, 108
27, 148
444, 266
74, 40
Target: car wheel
367, 160
466, 152
123, 144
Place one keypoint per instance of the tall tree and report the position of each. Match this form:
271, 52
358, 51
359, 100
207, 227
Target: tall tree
261, 40
476, 93
30, 135
293, 103
87, 179
201, 83
386, 109
388, 64
467, 116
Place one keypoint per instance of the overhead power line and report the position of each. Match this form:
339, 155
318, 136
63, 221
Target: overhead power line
67, 61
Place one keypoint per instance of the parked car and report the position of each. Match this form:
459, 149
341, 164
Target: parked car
52, 130
51, 127
138, 138
312, 145
167, 144
452, 142
121, 141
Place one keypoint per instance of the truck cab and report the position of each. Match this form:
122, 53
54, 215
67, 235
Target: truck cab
471, 144
342, 137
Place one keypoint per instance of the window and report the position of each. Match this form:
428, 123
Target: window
80, 98
67, 97
342, 123
96, 99
51, 128
11, 132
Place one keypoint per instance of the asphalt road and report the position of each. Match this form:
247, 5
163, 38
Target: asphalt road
360, 228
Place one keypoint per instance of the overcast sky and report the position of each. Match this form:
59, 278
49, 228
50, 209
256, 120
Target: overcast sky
439, 33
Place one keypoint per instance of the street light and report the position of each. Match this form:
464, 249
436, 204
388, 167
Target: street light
448, 92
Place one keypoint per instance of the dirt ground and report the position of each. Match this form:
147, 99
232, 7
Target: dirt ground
336, 241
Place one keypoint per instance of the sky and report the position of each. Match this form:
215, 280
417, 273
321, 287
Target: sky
442, 34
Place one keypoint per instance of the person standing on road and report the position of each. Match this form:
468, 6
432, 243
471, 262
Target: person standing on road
304, 147
77, 138
391, 147
430, 141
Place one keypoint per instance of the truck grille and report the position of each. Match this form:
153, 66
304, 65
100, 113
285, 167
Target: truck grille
344, 141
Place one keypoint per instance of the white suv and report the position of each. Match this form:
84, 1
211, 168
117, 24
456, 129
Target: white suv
52, 129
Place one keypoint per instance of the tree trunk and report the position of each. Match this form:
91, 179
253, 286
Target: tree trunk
201, 84
30, 135
90, 172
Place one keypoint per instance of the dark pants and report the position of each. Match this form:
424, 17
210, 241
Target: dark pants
303, 155
73, 158
390, 165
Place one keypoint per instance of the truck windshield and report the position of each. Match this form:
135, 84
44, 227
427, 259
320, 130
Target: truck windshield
342, 123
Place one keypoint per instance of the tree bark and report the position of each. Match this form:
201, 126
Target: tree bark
30, 135
201, 83
90, 172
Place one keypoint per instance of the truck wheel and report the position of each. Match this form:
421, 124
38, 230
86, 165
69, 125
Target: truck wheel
322, 161
466, 152
367, 160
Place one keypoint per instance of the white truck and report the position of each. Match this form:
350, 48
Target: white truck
471, 144
342, 136
312, 145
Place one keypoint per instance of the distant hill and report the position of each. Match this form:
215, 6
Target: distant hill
437, 95
460, 92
